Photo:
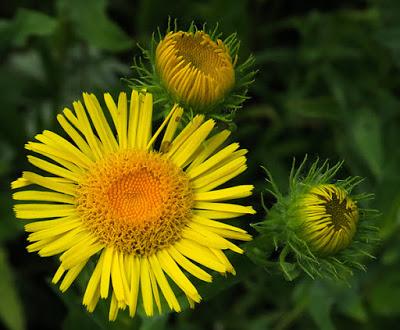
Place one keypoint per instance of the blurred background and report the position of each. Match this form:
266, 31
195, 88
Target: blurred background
328, 85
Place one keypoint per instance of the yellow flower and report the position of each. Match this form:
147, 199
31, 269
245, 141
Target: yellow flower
330, 218
145, 214
195, 69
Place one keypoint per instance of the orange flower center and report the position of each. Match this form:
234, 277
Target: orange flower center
136, 201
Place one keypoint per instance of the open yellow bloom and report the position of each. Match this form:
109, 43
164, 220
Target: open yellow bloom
330, 218
195, 69
146, 214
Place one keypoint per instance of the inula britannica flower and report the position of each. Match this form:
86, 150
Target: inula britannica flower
146, 208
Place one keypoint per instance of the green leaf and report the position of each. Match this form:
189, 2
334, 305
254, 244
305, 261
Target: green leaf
352, 305
90, 22
11, 311
9, 226
367, 135
154, 323
384, 296
320, 305
31, 23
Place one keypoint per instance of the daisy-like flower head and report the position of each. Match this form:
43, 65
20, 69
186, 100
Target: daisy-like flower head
318, 227
146, 215
196, 69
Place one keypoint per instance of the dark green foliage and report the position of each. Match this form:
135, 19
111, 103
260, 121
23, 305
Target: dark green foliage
327, 85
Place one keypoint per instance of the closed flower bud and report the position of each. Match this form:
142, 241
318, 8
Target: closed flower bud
318, 227
329, 218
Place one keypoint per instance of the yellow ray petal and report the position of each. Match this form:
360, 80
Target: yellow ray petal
222, 171
164, 123
144, 124
134, 263
93, 302
71, 275
231, 234
75, 136
223, 259
217, 224
122, 120
146, 289
61, 228
68, 150
208, 147
193, 141
73, 119
133, 119
100, 123
42, 211
113, 312
164, 285
87, 130
155, 289
199, 254
212, 161
79, 252
196, 236
116, 278
106, 271
94, 283
49, 183
59, 273
170, 267
54, 169
212, 239
224, 207
52, 151
171, 129
184, 134
224, 194
47, 196
124, 276
63, 242
188, 265
72, 167
217, 214
20, 183
49, 224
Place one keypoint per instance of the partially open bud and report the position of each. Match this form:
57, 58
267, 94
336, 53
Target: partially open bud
330, 218
196, 69
318, 227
